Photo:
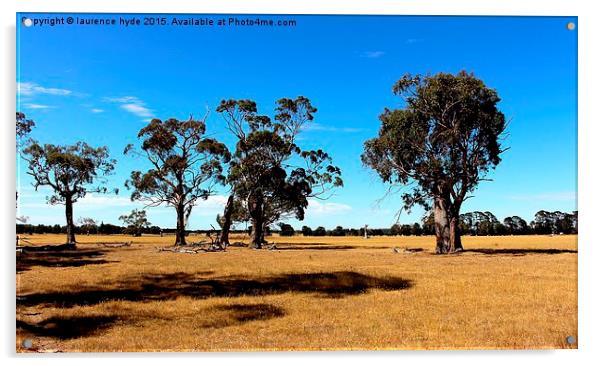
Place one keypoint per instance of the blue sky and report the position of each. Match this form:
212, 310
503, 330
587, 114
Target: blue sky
101, 84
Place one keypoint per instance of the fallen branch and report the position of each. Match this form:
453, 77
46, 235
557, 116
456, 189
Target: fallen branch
116, 245
187, 249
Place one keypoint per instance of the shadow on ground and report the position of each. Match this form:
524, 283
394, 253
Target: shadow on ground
70, 327
238, 314
62, 258
519, 252
171, 286
67, 327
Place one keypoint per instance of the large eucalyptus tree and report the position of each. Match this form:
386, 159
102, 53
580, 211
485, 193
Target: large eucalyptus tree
269, 171
439, 146
186, 165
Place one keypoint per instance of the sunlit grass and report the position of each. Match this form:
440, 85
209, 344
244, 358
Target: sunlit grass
310, 293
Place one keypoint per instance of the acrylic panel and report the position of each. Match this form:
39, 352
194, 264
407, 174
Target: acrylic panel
228, 182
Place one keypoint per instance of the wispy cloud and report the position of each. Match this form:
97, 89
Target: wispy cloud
548, 196
372, 54
30, 89
96, 110
317, 208
36, 106
90, 201
320, 127
132, 105
413, 40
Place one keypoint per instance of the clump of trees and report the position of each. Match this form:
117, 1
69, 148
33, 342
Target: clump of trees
269, 173
185, 167
286, 229
135, 222
87, 225
556, 222
439, 146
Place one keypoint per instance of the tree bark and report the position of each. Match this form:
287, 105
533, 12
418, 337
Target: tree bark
442, 232
223, 239
256, 213
181, 225
447, 226
455, 239
69, 217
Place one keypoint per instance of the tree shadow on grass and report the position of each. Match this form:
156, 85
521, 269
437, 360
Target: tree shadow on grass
63, 258
238, 314
67, 327
519, 252
70, 327
171, 286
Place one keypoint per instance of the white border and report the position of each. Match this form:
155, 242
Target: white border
589, 149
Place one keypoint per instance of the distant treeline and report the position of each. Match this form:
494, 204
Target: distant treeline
103, 229
472, 223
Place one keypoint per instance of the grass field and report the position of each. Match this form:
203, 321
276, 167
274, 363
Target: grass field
316, 293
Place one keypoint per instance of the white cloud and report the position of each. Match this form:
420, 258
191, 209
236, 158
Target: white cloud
317, 207
137, 109
372, 54
126, 99
133, 105
29, 88
104, 200
36, 106
96, 110
90, 201
320, 127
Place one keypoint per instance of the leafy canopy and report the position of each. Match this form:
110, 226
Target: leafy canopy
23, 126
186, 164
69, 170
267, 161
443, 142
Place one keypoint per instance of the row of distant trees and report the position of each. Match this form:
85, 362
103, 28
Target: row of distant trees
471, 223
475, 223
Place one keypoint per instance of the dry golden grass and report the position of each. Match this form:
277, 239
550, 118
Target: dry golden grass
310, 294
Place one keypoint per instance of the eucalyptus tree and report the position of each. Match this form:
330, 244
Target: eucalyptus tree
70, 171
234, 212
135, 222
186, 166
439, 146
269, 171
23, 127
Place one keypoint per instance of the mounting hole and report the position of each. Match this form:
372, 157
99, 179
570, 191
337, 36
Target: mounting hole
27, 22
570, 26
27, 343
571, 340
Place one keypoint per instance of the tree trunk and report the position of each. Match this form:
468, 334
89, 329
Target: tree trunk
256, 213
181, 225
441, 219
69, 217
455, 240
223, 239
447, 230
